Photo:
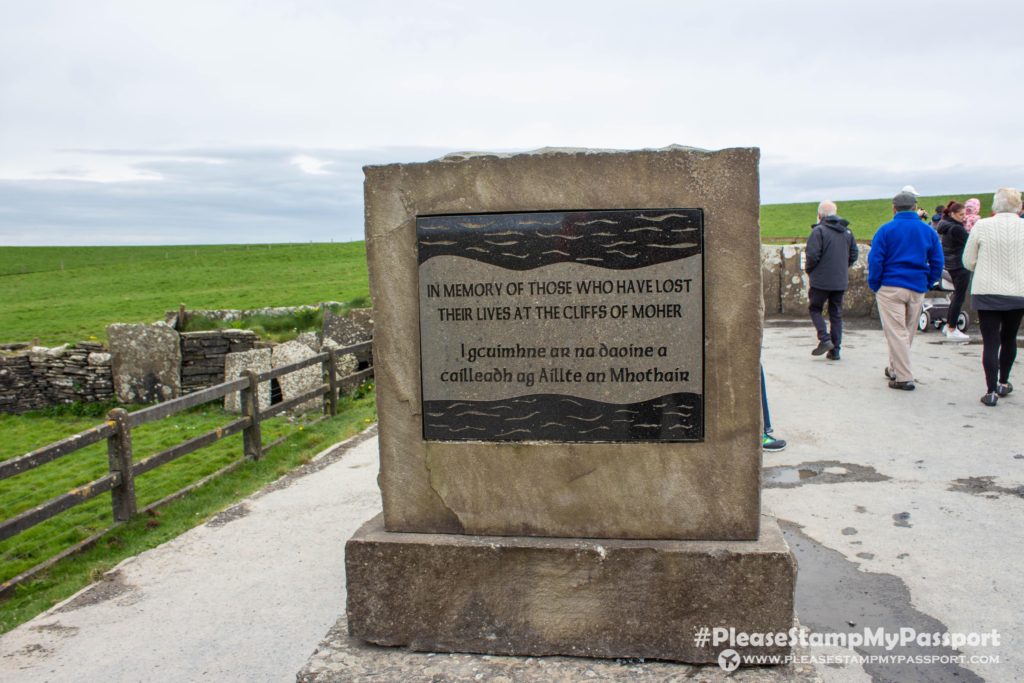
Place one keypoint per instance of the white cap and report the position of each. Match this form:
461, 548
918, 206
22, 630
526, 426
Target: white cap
911, 190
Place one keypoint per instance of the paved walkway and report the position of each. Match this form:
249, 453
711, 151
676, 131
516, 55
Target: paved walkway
902, 507
244, 597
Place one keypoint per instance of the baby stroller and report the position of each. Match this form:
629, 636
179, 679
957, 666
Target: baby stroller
936, 309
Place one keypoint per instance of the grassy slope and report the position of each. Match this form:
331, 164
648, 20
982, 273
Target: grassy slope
792, 222
145, 531
69, 294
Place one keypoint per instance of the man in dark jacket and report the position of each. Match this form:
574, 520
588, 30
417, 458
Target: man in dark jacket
831, 250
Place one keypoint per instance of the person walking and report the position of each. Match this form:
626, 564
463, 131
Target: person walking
904, 261
831, 250
954, 236
995, 252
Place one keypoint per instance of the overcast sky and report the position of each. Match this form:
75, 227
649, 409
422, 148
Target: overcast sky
128, 122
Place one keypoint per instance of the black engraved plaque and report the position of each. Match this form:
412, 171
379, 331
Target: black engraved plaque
575, 326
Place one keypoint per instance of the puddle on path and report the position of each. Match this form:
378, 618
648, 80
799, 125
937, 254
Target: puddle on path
818, 472
834, 596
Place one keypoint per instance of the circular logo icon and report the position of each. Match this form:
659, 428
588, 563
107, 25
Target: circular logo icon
729, 660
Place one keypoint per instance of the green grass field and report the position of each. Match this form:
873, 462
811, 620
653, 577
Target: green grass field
70, 294
23, 491
784, 223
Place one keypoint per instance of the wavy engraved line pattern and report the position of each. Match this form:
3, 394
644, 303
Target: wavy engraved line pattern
557, 417
615, 240
524, 417
658, 219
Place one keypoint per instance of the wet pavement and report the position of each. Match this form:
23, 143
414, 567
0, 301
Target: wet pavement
904, 510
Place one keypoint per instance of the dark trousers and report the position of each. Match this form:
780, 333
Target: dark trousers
764, 406
999, 336
961, 280
818, 299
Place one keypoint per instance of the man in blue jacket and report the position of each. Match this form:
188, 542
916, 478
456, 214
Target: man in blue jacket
904, 262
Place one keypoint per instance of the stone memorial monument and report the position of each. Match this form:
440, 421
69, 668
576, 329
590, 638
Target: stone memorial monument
566, 348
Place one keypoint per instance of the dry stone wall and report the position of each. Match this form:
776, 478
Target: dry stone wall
203, 354
155, 363
36, 378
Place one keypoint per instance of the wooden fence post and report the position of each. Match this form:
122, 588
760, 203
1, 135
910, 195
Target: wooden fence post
332, 381
119, 458
181, 317
252, 439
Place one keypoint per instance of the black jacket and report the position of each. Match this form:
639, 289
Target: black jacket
831, 250
954, 237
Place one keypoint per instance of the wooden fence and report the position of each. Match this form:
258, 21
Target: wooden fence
122, 469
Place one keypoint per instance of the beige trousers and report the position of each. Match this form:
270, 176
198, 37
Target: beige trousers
899, 310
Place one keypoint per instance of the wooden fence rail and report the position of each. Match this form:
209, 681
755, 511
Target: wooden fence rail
122, 469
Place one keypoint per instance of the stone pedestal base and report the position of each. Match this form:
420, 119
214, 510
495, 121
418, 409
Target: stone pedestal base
566, 596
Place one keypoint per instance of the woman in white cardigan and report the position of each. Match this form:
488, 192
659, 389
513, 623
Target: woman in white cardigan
995, 252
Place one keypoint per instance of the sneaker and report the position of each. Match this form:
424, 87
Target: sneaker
770, 443
822, 347
905, 386
990, 399
833, 354
954, 334
1003, 389
889, 374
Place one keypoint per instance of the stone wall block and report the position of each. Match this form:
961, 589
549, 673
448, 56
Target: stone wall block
236, 365
299, 382
146, 361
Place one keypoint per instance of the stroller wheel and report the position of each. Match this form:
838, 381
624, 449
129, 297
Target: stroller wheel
924, 321
963, 321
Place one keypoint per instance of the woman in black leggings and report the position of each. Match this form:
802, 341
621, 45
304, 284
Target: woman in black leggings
995, 252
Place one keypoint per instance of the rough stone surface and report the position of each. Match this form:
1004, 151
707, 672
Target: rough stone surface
235, 365
203, 354
32, 378
346, 364
793, 282
310, 339
785, 284
146, 362
639, 490
344, 331
340, 657
561, 596
771, 272
362, 317
299, 382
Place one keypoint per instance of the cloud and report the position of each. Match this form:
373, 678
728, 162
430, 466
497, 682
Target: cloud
202, 196
209, 195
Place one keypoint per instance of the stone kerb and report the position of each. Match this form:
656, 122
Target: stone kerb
236, 364
301, 381
707, 490
146, 362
